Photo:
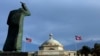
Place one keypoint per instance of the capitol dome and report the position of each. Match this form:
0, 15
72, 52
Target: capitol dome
52, 41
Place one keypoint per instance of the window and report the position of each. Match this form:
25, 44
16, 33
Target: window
51, 49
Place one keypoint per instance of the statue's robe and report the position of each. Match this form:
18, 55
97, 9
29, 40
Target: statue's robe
15, 31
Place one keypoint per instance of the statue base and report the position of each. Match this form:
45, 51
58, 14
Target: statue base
16, 54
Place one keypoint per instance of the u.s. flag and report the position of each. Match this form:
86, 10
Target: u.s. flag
77, 37
28, 40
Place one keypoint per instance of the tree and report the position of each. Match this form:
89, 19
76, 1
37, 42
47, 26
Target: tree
97, 49
85, 50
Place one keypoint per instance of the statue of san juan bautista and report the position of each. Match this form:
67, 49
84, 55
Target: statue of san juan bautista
15, 30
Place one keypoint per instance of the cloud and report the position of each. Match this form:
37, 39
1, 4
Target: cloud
92, 38
64, 19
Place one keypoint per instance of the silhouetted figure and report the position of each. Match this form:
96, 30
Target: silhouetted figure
15, 31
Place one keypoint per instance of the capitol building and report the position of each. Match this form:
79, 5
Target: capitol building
52, 47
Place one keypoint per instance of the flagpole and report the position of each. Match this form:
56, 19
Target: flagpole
78, 38
24, 46
28, 40
76, 45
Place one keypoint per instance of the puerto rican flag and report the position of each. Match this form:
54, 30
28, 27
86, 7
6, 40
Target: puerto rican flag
77, 37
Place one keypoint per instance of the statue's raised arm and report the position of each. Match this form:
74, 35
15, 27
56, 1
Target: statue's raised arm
25, 8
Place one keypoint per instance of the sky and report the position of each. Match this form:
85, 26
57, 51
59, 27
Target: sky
63, 18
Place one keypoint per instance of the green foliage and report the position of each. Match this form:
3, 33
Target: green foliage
84, 50
87, 50
97, 49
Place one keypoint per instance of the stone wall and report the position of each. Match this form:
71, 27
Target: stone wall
16, 54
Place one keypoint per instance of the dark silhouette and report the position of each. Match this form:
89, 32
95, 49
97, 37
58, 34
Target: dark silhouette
15, 31
96, 50
85, 50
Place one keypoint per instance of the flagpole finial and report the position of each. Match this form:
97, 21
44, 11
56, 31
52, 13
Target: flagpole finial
50, 36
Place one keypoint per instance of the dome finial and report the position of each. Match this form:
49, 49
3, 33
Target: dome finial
51, 36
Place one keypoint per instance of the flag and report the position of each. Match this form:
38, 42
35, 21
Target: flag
78, 37
28, 40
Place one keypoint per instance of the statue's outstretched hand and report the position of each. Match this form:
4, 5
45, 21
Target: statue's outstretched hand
24, 7
22, 3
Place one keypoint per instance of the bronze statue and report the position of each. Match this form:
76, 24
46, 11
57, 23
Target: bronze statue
15, 31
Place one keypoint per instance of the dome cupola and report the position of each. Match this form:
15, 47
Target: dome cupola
51, 42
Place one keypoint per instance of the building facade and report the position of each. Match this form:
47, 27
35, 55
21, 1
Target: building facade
52, 47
